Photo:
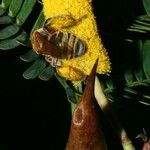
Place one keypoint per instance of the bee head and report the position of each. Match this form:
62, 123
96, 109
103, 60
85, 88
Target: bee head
41, 43
37, 40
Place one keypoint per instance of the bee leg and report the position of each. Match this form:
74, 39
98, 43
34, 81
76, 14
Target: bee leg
50, 60
58, 62
55, 62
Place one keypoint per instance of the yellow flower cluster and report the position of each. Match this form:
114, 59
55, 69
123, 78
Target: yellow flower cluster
78, 19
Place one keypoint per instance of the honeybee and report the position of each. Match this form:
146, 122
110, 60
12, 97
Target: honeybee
55, 45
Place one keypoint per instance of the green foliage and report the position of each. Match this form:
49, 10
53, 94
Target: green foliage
47, 73
136, 81
35, 69
6, 20
13, 14
5, 4
146, 4
71, 95
9, 31
142, 23
25, 11
39, 22
146, 56
14, 9
12, 43
29, 56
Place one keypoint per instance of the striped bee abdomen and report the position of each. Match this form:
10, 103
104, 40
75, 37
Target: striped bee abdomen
70, 45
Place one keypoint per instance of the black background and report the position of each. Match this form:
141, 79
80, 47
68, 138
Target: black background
35, 114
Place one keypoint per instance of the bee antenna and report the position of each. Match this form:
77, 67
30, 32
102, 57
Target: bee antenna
47, 22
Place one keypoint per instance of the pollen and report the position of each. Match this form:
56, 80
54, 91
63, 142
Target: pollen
77, 17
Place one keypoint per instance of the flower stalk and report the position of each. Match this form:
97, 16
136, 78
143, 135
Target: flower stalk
111, 116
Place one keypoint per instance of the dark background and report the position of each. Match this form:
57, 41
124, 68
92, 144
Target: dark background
35, 114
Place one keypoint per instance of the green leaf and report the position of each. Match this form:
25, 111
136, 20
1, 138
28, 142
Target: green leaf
12, 42
26, 43
62, 81
29, 56
144, 103
140, 27
129, 76
5, 4
143, 23
9, 31
144, 18
146, 4
110, 97
25, 11
136, 30
109, 85
110, 88
6, 20
39, 22
139, 74
35, 69
146, 58
47, 73
14, 7
146, 96
130, 90
2, 11
71, 96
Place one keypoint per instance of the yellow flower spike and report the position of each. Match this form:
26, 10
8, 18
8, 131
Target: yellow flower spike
70, 73
76, 17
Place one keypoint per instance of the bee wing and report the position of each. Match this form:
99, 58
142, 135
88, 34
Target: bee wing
72, 45
78, 47
44, 47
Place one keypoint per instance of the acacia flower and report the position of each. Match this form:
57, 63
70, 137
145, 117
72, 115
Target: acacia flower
78, 19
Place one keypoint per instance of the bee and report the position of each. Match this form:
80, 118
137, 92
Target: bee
146, 140
56, 45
